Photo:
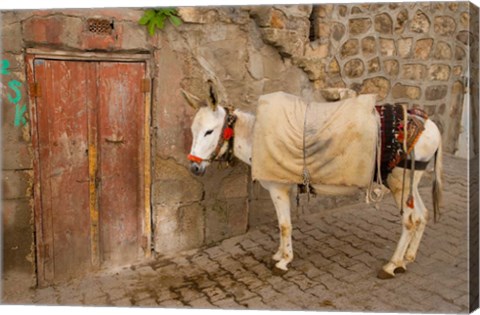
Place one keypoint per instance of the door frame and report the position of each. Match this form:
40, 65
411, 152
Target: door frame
41, 250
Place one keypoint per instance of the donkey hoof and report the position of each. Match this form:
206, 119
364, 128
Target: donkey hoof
382, 274
400, 269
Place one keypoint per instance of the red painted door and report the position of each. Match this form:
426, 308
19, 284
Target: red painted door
120, 131
90, 125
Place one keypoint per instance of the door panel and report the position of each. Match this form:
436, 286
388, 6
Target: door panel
90, 119
62, 130
120, 124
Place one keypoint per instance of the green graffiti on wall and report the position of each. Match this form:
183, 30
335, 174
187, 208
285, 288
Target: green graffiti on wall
14, 99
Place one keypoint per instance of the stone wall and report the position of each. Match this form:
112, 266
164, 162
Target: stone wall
413, 53
17, 157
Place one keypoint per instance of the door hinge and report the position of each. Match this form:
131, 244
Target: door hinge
35, 89
146, 85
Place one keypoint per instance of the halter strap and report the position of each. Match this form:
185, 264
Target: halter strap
226, 135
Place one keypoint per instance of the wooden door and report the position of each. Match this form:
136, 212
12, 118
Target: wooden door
120, 133
90, 119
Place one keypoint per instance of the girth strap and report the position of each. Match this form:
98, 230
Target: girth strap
419, 165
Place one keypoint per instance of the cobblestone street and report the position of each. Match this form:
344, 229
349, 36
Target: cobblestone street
337, 256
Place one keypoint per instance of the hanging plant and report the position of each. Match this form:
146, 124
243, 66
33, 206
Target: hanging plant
155, 18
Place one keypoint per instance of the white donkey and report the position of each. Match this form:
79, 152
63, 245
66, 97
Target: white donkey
213, 130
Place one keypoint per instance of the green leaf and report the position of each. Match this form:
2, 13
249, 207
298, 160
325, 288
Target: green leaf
169, 11
159, 21
151, 27
149, 13
175, 20
144, 20
147, 16
155, 18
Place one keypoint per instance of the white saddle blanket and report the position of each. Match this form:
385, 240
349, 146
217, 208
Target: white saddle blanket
336, 141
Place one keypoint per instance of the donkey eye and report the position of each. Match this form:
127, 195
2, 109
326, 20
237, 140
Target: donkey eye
209, 132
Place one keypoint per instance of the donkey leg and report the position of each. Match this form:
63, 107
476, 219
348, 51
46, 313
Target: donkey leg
422, 218
280, 194
397, 260
409, 220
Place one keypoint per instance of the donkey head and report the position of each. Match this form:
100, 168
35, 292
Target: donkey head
207, 130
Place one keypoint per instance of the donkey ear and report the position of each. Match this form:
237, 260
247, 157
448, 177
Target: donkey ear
192, 100
212, 96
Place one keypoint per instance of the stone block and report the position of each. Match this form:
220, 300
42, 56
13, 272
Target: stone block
226, 218
414, 72
420, 23
356, 10
335, 94
391, 67
323, 30
369, 46
174, 192
172, 116
406, 91
277, 19
387, 47
173, 184
289, 42
255, 64
17, 235
430, 109
325, 10
457, 71
134, 37
316, 50
383, 24
444, 25
178, 229
334, 67
359, 26
354, 68
220, 54
405, 47
17, 184
16, 155
459, 53
197, 15
12, 40
350, 48
44, 30
465, 37
376, 85
439, 72
464, 20
234, 186
374, 65
337, 31
436, 92
402, 18
314, 67
443, 51
453, 6
423, 47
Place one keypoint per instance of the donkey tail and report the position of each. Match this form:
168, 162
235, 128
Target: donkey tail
437, 183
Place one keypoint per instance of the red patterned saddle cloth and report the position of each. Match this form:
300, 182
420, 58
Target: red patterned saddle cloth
392, 133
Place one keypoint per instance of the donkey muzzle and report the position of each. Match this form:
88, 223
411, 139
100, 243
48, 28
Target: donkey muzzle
197, 169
